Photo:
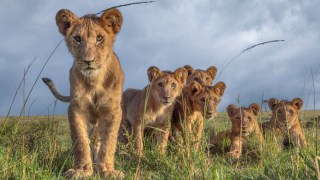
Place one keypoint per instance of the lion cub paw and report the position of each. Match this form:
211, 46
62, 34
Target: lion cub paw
112, 173
233, 154
77, 173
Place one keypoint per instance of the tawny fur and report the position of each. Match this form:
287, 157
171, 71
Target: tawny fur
152, 106
195, 102
244, 123
204, 77
284, 123
96, 81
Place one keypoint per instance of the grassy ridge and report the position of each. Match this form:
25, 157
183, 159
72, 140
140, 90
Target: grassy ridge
40, 148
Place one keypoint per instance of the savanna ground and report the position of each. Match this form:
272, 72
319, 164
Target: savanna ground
40, 148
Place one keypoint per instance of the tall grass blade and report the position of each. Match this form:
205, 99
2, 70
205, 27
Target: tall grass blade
37, 78
20, 84
243, 51
314, 107
123, 5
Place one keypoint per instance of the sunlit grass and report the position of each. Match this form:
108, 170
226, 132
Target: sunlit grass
40, 148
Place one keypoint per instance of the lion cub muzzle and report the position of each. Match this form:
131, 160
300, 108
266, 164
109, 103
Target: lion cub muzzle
88, 55
166, 100
88, 59
89, 64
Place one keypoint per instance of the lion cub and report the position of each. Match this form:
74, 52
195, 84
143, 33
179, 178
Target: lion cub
284, 122
152, 106
196, 103
244, 123
204, 77
96, 81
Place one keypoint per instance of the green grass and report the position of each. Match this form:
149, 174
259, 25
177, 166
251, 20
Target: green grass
40, 148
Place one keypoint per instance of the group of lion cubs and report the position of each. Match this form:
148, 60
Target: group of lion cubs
181, 100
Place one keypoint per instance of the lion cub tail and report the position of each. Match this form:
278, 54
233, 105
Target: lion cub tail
54, 91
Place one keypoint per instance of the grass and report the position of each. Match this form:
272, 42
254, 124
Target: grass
40, 148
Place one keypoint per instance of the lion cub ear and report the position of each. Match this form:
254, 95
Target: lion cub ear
189, 69
231, 110
112, 18
297, 103
255, 108
64, 20
181, 74
219, 88
272, 103
212, 71
194, 88
153, 73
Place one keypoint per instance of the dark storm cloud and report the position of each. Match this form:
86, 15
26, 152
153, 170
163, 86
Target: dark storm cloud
170, 34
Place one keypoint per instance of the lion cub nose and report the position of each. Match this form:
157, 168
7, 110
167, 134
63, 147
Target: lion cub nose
209, 113
88, 60
166, 98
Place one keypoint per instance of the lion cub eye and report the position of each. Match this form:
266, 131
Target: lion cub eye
249, 117
215, 100
99, 38
196, 79
203, 100
160, 84
173, 85
291, 112
207, 78
77, 38
279, 111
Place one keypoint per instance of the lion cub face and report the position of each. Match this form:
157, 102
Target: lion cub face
204, 77
244, 120
205, 99
89, 38
285, 113
166, 85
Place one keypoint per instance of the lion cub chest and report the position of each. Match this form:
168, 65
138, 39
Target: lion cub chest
194, 117
96, 100
153, 116
136, 108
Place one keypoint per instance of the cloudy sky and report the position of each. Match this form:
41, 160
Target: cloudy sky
170, 34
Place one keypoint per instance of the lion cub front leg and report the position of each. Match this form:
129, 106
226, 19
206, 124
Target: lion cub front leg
162, 136
108, 130
298, 137
137, 136
198, 134
79, 127
236, 147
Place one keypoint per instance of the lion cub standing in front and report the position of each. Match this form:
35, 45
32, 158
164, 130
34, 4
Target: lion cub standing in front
96, 80
244, 123
284, 122
152, 106
196, 103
